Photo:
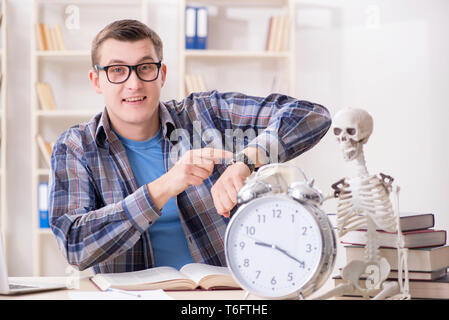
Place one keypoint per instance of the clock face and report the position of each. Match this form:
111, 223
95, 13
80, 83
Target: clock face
273, 246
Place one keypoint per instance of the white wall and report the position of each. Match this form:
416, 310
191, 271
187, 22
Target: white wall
389, 57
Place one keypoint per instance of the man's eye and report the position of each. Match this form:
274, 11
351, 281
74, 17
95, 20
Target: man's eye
117, 69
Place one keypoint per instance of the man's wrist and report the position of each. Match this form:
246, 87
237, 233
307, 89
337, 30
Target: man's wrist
242, 157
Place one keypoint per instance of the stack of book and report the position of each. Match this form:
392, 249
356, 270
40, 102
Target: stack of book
428, 255
194, 83
45, 96
46, 149
49, 38
278, 32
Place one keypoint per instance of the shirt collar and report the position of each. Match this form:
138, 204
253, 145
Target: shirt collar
104, 133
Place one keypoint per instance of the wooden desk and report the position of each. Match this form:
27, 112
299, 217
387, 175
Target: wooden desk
86, 285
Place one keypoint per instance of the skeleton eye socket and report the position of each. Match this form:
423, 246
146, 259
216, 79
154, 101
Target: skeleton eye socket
350, 131
337, 131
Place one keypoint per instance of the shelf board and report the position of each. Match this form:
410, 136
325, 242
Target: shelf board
234, 54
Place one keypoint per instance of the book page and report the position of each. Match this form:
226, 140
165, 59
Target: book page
197, 271
152, 275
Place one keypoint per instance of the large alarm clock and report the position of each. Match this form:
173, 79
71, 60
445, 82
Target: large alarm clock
279, 243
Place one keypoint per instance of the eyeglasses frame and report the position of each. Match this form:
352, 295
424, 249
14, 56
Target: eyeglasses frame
130, 68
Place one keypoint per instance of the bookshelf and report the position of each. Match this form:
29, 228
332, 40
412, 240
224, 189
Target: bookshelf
66, 71
270, 66
3, 121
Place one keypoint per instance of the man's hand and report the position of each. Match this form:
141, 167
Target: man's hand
224, 191
193, 167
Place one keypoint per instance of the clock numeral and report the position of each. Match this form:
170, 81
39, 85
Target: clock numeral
261, 218
258, 272
302, 264
242, 245
277, 213
308, 248
293, 218
246, 263
290, 276
250, 230
273, 281
304, 231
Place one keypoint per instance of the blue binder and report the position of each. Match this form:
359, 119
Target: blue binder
42, 194
190, 27
201, 28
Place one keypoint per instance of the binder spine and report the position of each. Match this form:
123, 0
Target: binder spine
43, 205
190, 27
201, 34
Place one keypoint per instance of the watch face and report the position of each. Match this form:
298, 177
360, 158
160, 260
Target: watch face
273, 246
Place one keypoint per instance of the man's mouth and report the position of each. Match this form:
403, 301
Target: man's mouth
134, 99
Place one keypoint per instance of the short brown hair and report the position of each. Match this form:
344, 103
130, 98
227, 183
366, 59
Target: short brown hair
125, 30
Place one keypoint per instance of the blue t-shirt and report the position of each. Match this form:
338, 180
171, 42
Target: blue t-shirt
167, 236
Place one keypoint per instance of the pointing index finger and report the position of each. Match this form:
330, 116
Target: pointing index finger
216, 154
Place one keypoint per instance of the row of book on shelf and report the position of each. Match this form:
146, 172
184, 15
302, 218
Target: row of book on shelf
45, 148
49, 38
196, 30
428, 254
45, 96
194, 83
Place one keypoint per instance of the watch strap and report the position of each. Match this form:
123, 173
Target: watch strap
242, 157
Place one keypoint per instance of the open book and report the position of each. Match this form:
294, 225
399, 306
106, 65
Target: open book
189, 277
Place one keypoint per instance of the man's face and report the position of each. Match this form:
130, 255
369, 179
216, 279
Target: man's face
133, 103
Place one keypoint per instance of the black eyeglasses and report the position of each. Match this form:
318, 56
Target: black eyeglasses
119, 73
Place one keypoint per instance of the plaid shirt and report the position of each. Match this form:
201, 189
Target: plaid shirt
101, 219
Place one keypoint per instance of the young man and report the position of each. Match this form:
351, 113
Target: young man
146, 183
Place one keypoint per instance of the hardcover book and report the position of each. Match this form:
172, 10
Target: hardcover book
191, 276
412, 239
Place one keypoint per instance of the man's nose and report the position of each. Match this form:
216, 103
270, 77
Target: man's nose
133, 81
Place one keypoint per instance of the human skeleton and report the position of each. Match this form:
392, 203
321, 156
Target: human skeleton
364, 203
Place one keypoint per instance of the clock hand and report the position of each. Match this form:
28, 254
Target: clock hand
273, 246
288, 255
264, 244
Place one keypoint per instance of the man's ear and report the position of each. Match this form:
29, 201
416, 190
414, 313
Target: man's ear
163, 74
95, 81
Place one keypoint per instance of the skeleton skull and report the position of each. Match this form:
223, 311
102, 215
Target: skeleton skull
352, 127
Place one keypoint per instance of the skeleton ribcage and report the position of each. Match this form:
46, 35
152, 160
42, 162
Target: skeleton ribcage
362, 198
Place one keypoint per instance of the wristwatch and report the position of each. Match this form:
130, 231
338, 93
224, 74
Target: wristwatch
242, 157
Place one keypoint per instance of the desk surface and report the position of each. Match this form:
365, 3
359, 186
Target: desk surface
86, 285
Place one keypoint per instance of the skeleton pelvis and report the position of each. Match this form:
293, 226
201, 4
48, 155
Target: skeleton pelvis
372, 273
